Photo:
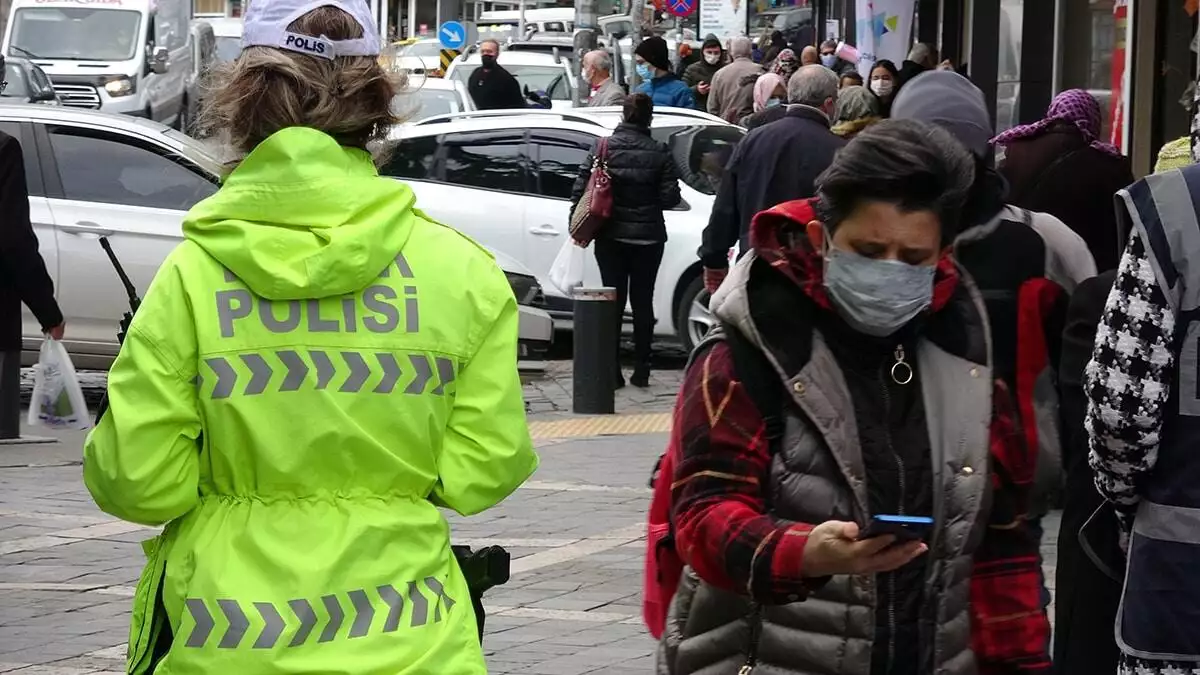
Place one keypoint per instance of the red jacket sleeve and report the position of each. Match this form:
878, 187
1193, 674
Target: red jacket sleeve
722, 528
1010, 632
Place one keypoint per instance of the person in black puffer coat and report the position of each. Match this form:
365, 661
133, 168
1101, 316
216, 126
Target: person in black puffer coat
629, 248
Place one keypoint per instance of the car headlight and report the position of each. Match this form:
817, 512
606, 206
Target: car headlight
122, 86
525, 287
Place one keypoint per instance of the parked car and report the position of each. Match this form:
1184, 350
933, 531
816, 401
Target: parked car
131, 180
420, 57
429, 97
25, 82
228, 31
534, 70
504, 177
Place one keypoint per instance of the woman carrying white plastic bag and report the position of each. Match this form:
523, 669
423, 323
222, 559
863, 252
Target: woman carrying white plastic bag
57, 400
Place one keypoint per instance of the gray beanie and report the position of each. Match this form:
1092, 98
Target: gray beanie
949, 100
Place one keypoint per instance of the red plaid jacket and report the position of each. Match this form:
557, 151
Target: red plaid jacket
724, 534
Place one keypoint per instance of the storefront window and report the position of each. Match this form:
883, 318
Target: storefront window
1008, 72
1090, 38
793, 18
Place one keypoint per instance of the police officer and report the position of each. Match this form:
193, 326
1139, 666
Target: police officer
1143, 420
314, 371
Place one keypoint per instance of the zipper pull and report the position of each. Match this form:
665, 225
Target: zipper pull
746, 670
902, 373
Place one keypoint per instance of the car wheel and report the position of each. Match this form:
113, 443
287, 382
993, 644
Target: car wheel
692, 318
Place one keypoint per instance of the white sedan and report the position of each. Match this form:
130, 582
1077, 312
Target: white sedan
431, 96
93, 175
504, 177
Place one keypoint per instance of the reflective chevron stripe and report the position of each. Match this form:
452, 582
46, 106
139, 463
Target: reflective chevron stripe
294, 626
287, 371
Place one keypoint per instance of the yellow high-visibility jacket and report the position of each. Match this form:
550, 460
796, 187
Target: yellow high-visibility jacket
314, 370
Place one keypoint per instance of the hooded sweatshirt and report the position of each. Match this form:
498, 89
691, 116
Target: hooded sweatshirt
307, 379
701, 72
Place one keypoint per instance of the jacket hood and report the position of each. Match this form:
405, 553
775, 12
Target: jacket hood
303, 217
713, 41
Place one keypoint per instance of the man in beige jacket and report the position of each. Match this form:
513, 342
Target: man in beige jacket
731, 95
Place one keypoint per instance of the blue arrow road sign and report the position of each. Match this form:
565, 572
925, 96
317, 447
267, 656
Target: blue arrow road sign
453, 35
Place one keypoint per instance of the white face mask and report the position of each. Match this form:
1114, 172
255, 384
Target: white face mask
881, 87
712, 59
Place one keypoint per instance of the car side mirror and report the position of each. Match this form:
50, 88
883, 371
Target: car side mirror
158, 61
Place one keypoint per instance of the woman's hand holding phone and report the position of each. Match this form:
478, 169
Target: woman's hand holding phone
833, 547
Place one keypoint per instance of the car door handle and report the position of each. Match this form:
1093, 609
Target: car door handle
86, 228
545, 230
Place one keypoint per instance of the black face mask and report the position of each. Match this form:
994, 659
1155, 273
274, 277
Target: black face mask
488, 60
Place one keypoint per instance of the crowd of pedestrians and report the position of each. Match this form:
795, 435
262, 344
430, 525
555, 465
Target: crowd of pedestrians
926, 325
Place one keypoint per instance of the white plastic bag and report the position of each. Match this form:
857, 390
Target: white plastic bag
57, 397
567, 270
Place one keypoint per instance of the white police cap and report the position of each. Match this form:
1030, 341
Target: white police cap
266, 22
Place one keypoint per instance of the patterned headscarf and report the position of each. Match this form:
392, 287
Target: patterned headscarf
764, 86
786, 64
1075, 106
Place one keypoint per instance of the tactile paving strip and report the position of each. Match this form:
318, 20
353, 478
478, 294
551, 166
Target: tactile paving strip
601, 425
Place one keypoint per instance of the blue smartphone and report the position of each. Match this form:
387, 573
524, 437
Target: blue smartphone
904, 528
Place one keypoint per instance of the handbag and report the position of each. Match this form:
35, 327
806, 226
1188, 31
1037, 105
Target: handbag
595, 206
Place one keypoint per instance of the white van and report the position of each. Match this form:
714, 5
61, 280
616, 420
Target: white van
120, 56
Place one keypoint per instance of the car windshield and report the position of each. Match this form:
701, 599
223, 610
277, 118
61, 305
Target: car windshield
426, 49
75, 33
550, 79
15, 85
427, 102
700, 152
228, 48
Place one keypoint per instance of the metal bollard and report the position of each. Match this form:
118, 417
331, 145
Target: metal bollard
595, 358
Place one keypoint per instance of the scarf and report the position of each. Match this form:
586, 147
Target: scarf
1074, 106
764, 86
785, 64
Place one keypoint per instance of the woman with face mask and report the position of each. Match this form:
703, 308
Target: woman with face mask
850, 378
884, 83
770, 101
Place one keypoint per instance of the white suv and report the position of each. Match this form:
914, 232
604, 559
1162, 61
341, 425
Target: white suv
505, 179
131, 180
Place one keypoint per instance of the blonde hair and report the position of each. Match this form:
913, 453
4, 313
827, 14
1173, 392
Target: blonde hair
266, 89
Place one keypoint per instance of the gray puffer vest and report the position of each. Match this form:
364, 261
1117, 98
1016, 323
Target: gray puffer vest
818, 475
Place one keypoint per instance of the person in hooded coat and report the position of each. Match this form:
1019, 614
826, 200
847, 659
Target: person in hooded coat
699, 75
307, 383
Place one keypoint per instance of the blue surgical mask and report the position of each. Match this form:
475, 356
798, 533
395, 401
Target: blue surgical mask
644, 72
772, 102
876, 297
828, 60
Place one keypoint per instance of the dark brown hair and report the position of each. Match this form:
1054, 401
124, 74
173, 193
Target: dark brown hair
266, 89
639, 109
